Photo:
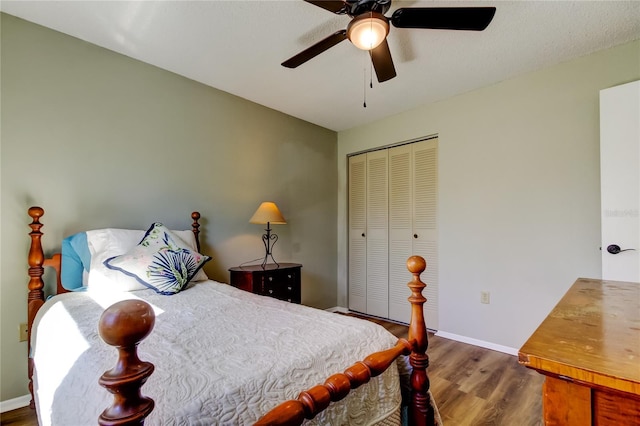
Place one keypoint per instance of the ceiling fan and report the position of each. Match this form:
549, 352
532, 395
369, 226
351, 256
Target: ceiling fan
369, 28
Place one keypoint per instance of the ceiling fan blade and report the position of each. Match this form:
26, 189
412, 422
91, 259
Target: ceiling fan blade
444, 18
335, 6
315, 50
382, 62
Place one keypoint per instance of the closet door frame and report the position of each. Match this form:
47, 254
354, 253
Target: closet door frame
401, 242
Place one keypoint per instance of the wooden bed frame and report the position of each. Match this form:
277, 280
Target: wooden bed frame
125, 324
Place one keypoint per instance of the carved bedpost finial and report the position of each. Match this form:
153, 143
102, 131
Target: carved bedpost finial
124, 325
420, 411
195, 228
416, 265
36, 212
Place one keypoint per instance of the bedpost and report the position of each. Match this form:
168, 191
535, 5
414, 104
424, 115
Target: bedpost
124, 325
195, 228
35, 298
420, 409
36, 260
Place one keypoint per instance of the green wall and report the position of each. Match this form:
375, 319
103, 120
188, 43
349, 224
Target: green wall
101, 140
519, 192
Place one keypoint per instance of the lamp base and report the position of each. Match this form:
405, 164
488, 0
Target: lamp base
266, 259
269, 241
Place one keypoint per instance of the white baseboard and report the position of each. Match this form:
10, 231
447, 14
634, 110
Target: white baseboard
15, 403
451, 336
476, 342
338, 309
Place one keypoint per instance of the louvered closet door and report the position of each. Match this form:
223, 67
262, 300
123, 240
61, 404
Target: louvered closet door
392, 215
377, 234
425, 230
400, 231
357, 233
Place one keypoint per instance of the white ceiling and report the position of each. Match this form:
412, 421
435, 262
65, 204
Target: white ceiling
237, 46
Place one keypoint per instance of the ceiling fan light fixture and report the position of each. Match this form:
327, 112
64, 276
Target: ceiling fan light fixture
368, 30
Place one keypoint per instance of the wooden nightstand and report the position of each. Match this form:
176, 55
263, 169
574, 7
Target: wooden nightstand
281, 282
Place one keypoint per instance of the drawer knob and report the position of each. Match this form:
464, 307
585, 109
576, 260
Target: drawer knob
270, 278
289, 276
289, 288
270, 291
288, 300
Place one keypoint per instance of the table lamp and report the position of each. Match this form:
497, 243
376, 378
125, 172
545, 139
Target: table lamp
268, 213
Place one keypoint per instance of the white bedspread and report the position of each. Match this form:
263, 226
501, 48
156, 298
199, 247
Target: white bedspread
222, 356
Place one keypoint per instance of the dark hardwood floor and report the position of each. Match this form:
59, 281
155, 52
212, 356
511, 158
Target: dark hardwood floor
471, 385
20, 417
478, 386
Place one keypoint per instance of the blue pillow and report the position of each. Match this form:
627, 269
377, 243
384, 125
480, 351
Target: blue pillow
76, 258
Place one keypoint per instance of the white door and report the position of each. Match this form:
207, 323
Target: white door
425, 226
400, 231
357, 233
377, 234
620, 181
413, 183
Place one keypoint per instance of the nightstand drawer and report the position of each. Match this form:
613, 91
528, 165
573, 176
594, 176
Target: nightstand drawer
283, 290
280, 282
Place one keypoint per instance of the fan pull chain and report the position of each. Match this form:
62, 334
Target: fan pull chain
364, 88
367, 57
364, 82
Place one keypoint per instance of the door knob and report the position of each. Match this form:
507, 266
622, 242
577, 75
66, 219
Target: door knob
615, 249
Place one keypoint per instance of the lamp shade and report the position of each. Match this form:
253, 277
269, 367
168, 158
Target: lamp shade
268, 212
368, 30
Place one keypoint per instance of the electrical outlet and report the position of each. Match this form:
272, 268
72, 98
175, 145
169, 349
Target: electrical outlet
484, 297
24, 334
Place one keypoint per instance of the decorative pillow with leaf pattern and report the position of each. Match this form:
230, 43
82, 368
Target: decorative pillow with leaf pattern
161, 261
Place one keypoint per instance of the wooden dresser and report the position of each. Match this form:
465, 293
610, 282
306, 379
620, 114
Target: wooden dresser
280, 282
588, 348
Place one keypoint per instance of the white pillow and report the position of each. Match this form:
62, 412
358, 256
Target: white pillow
161, 261
106, 243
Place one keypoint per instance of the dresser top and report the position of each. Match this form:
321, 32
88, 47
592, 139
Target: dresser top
592, 335
267, 267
